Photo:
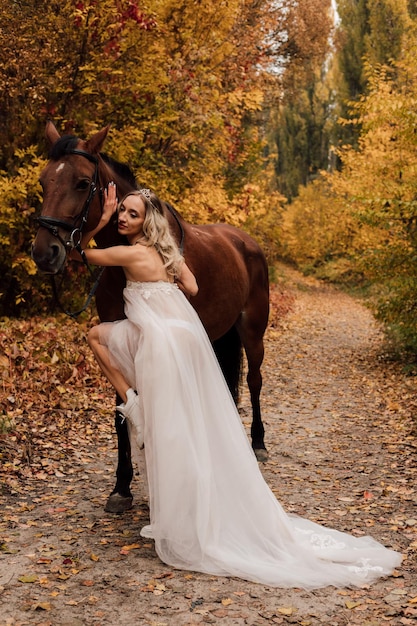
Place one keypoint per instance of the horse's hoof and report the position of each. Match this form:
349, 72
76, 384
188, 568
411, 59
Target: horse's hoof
261, 455
118, 504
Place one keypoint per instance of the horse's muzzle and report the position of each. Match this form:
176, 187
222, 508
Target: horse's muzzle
50, 258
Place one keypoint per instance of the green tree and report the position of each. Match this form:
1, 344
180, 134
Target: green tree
369, 32
351, 47
300, 121
362, 220
389, 20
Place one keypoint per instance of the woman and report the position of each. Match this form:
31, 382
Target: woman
210, 508
156, 258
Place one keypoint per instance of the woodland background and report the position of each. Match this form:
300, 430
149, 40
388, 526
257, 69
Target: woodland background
293, 119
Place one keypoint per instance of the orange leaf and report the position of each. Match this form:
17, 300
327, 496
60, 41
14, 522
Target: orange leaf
131, 546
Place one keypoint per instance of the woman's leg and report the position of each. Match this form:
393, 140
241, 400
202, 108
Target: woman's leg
102, 356
130, 408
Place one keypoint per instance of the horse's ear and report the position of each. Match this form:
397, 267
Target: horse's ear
51, 133
95, 143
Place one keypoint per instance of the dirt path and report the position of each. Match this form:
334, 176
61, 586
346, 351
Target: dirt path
342, 452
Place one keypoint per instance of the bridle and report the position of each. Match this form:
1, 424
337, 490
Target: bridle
53, 225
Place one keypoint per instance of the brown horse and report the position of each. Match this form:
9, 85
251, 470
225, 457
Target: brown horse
230, 267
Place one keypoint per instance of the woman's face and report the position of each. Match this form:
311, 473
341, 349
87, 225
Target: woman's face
131, 217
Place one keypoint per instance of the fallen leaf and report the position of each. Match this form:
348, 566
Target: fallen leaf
42, 606
350, 604
28, 578
285, 610
133, 546
220, 613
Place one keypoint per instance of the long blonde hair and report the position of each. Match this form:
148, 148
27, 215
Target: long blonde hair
156, 231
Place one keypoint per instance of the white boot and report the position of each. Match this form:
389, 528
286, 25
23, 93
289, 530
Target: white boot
132, 413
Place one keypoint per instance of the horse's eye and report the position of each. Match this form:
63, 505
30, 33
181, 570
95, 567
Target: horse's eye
83, 184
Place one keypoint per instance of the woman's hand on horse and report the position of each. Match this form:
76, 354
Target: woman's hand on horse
110, 203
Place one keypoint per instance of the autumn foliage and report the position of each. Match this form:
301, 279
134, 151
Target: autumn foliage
183, 85
358, 224
270, 116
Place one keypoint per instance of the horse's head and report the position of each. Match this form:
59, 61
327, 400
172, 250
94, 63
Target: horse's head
71, 202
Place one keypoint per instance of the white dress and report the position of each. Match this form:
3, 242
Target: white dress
210, 507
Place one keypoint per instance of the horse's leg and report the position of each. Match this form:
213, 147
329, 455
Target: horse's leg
120, 499
228, 350
254, 380
251, 327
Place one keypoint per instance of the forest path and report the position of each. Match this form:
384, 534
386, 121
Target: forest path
341, 437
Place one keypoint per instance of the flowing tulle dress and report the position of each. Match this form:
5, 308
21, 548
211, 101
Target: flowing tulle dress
210, 507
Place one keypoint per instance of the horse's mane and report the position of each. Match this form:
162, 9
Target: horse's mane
67, 143
121, 169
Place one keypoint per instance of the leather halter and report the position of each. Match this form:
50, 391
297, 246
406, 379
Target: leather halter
53, 224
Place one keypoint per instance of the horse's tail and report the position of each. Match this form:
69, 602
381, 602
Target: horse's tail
229, 353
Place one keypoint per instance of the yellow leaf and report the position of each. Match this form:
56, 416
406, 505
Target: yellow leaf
350, 604
44, 606
413, 600
94, 557
226, 601
285, 610
28, 578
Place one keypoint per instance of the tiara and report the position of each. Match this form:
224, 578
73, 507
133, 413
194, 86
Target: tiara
145, 192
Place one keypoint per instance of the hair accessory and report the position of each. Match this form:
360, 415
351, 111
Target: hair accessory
145, 192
